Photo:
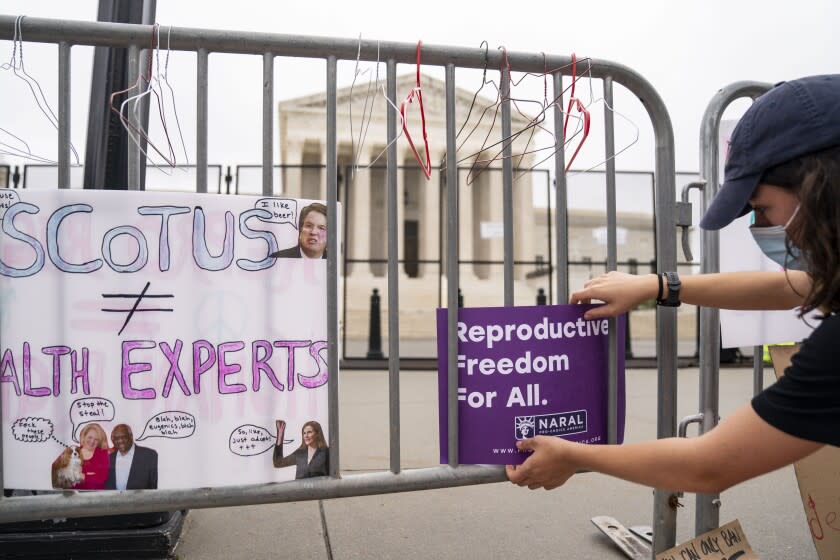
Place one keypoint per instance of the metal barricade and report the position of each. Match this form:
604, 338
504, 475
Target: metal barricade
67, 34
708, 505
43, 176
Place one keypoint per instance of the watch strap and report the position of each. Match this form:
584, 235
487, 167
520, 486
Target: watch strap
672, 286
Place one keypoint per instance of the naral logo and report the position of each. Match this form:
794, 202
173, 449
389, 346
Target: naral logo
524, 427
557, 424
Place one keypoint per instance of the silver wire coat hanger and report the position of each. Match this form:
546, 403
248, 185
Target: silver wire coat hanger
18, 69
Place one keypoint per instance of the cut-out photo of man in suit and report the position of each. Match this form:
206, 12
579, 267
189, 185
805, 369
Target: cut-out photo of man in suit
132, 467
312, 235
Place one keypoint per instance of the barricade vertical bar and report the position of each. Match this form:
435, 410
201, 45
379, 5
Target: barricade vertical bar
664, 500
452, 272
560, 202
393, 276
63, 116
134, 154
63, 152
609, 153
507, 185
2, 482
202, 71
63, 165
268, 128
144, 69
707, 511
707, 516
332, 265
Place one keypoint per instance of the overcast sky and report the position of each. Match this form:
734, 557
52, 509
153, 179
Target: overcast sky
686, 49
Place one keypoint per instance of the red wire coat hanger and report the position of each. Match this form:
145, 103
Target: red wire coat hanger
417, 93
534, 123
576, 103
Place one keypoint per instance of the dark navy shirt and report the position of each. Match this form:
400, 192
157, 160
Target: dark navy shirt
805, 401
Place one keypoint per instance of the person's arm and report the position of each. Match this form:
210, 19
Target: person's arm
278, 459
742, 447
726, 290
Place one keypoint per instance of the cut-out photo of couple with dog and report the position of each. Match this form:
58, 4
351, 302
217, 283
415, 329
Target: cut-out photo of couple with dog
93, 465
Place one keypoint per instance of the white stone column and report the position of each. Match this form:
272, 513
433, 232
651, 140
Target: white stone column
430, 222
291, 177
482, 192
408, 160
525, 229
465, 222
322, 184
495, 213
360, 216
311, 177
377, 228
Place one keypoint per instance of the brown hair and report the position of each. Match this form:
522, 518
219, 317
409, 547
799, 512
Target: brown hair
320, 442
815, 229
314, 207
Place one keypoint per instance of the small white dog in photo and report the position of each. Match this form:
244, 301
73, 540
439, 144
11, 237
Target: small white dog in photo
68, 469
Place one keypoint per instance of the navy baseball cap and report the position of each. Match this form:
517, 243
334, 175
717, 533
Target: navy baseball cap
792, 119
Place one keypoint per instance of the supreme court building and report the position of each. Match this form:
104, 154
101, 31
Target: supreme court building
422, 208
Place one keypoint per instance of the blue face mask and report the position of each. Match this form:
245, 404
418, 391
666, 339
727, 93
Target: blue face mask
772, 242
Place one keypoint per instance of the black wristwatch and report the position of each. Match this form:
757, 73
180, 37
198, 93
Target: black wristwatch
672, 298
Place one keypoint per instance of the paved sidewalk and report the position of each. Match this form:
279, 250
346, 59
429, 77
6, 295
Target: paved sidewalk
486, 521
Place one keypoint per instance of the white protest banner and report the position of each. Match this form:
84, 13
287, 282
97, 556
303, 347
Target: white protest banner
165, 313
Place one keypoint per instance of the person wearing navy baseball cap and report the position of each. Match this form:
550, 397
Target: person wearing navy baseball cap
794, 119
784, 165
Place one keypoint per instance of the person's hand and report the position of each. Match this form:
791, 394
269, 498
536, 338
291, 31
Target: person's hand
619, 291
281, 430
548, 466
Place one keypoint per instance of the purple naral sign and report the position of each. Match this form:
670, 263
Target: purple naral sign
527, 371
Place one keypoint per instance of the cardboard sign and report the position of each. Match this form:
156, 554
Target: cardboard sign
167, 313
724, 543
527, 371
818, 476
